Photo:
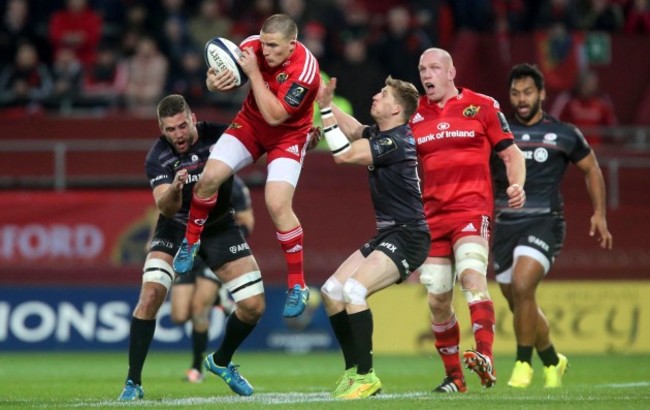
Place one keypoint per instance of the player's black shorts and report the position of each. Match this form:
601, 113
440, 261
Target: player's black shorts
544, 233
219, 245
406, 246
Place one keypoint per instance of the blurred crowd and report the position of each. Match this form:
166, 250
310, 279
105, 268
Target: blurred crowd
91, 56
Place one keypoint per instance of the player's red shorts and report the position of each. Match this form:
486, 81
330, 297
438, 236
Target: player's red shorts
277, 142
446, 230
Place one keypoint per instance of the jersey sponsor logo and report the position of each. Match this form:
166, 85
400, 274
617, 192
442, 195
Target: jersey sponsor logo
234, 125
471, 111
293, 150
469, 228
295, 95
443, 126
282, 77
239, 248
391, 247
158, 178
550, 138
161, 243
536, 241
505, 127
194, 158
446, 134
191, 179
540, 155
525, 137
384, 145
417, 118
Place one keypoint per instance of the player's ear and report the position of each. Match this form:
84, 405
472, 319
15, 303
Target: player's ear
542, 95
193, 118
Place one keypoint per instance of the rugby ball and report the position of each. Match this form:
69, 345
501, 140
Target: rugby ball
222, 54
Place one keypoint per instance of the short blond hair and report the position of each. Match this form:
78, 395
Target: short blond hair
406, 95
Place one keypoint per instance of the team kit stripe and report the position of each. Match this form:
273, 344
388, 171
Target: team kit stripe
290, 235
309, 68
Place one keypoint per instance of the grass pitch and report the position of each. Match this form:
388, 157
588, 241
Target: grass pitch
94, 380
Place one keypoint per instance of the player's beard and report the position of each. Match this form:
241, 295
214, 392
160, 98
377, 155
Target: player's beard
534, 109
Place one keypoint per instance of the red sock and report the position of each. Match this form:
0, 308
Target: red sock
199, 210
291, 244
447, 340
482, 316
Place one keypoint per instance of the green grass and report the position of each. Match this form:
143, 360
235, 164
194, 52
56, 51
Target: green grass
94, 380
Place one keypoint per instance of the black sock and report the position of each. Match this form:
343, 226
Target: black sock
199, 345
236, 332
140, 338
549, 356
341, 327
525, 354
361, 326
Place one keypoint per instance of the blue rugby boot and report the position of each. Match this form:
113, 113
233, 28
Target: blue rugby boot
131, 392
297, 298
184, 258
230, 375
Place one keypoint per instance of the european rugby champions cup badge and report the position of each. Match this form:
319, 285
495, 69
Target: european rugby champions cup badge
471, 111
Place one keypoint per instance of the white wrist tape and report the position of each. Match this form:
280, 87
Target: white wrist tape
336, 140
326, 113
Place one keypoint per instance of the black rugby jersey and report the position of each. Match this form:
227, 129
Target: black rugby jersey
548, 147
163, 162
394, 181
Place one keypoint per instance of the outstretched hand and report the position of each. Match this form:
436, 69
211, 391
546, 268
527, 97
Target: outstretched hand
326, 93
599, 225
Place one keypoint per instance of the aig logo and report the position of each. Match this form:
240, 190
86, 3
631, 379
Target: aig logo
443, 126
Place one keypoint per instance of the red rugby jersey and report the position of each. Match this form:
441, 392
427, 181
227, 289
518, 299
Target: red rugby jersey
295, 83
454, 145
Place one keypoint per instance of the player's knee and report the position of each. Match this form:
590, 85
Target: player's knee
245, 286
251, 309
201, 321
354, 292
332, 290
438, 279
471, 256
158, 271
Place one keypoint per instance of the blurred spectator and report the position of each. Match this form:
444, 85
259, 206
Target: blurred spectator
399, 49
555, 12
475, 15
248, 17
208, 22
313, 37
638, 18
113, 16
296, 9
138, 24
358, 77
66, 74
586, 107
104, 83
17, 27
26, 82
345, 19
600, 15
147, 76
189, 79
76, 27
175, 43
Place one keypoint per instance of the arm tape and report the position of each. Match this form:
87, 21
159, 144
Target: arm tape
337, 142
